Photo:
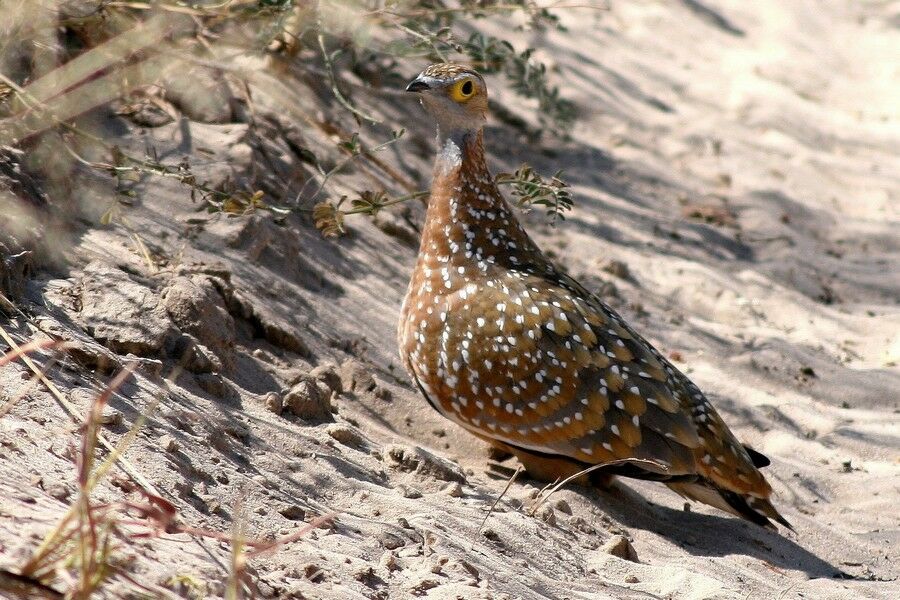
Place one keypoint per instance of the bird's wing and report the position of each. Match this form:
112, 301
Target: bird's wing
551, 369
670, 418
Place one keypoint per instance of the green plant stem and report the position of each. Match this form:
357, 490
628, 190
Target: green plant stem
399, 199
333, 81
338, 167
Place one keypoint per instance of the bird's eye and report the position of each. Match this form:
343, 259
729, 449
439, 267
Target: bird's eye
462, 90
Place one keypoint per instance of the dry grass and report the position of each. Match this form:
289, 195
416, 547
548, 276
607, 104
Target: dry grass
82, 554
124, 47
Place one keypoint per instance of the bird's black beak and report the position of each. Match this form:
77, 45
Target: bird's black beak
417, 85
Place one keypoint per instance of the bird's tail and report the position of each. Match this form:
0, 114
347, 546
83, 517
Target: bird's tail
753, 508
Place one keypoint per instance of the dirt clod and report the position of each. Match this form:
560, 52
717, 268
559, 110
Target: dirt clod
110, 416
618, 545
196, 306
346, 435
563, 506
273, 402
122, 314
168, 443
213, 384
60, 492
454, 489
390, 541
356, 376
307, 401
422, 462
329, 375
617, 268
409, 492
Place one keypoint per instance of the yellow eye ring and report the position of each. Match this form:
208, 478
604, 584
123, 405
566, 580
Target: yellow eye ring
462, 90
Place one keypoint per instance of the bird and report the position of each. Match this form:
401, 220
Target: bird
501, 341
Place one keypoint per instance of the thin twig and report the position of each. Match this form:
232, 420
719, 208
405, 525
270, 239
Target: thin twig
543, 498
123, 462
362, 153
333, 81
509, 483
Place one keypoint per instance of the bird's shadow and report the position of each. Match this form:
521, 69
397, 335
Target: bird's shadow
691, 531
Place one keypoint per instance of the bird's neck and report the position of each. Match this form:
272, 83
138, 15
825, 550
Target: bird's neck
468, 221
458, 146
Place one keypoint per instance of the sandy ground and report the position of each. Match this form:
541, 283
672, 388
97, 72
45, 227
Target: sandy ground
780, 121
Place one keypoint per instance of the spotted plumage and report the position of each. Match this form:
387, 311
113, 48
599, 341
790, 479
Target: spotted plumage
503, 343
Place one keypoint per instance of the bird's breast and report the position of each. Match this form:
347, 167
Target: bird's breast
490, 352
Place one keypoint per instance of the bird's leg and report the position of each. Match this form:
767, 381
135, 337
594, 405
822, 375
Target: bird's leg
545, 467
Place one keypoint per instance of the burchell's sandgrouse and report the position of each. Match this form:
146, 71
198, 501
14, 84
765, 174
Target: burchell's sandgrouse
503, 343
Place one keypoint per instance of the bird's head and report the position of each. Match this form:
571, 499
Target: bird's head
455, 95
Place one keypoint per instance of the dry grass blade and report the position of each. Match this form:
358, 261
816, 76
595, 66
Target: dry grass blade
123, 463
26, 389
101, 57
27, 349
503, 493
69, 90
92, 426
235, 584
240, 556
261, 548
542, 497
83, 537
90, 95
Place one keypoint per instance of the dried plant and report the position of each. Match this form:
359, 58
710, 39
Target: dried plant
130, 45
529, 189
82, 551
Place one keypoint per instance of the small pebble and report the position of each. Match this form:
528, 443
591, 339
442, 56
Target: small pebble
390, 541
453, 489
409, 492
345, 435
273, 403
110, 416
292, 512
168, 443
389, 562
59, 491
547, 515
618, 545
